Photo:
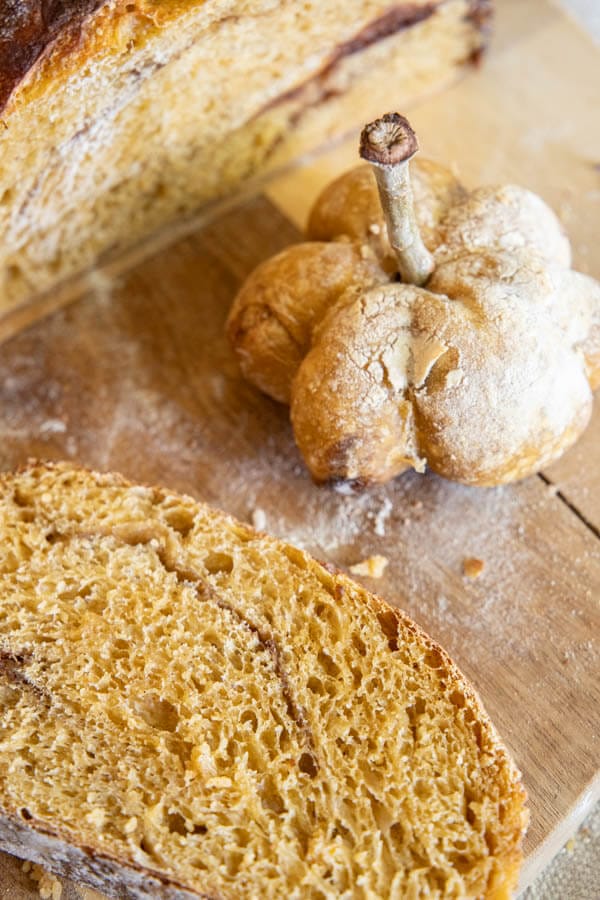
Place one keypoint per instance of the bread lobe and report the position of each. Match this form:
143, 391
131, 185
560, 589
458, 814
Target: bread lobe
221, 716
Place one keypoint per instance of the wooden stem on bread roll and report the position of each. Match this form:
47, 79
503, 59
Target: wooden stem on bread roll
389, 143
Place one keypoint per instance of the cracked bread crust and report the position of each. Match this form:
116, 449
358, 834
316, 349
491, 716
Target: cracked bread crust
349, 754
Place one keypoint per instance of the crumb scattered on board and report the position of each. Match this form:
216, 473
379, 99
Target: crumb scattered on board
49, 886
259, 519
473, 567
373, 566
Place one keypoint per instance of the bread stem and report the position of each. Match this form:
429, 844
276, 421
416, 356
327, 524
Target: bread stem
389, 143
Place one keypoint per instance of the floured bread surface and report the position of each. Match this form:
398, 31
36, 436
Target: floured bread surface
186, 698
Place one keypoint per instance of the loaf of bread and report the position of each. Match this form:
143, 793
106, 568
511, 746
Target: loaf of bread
144, 110
193, 709
429, 327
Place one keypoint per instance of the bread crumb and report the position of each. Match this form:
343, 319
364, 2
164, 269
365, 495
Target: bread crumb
53, 426
96, 817
259, 519
382, 516
221, 781
130, 825
201, 761
570, 845
366, 252
473, 567
49, 886
374, 228
373, 566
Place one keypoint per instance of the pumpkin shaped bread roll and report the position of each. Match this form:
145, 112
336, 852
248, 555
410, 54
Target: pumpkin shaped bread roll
459, 339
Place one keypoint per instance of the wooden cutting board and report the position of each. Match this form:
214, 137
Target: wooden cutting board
138, 378
135, 376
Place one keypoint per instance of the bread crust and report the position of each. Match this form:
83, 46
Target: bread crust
119, 878
62, 853
41, 43
29, 29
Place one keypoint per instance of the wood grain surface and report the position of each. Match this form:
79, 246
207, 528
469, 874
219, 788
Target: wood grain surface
137, 377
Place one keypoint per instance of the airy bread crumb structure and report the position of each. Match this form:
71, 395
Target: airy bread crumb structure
192, 709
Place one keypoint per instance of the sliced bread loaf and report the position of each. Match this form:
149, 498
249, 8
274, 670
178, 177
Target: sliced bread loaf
118, 117
189, 708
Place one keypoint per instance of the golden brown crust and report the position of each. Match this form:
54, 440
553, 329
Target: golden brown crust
29, 27
42, 41
349, 206
271, 339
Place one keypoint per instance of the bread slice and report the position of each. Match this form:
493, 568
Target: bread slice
193, 709
145, 110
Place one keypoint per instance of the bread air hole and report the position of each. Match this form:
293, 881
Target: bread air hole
389, 625
458, 699
359, 645
248, 717
216, 562
199, 864
433, 659
233, 862
327, 663
397, 834
157, 713
315, 686
307, 764
461, 862
270, 796
176, 823
6, 197
146, 846
180, 519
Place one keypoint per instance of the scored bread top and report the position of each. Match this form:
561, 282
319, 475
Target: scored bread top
183, 695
